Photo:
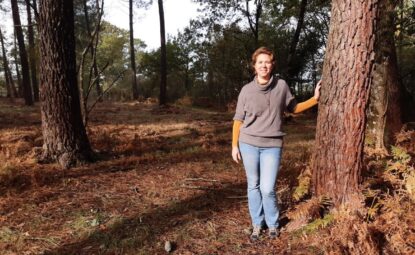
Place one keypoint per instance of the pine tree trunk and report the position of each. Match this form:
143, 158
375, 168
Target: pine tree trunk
341, 122
163, 59
27, 88
132, 55
32, 55
384, 115
6, 76
11, 89
16, 66
65, 138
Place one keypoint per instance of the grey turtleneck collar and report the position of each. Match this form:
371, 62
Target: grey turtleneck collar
265, 88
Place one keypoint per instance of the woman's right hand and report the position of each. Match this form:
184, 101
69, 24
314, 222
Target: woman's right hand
317, 90
236, 155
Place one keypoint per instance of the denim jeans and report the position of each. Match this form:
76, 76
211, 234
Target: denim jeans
261, 167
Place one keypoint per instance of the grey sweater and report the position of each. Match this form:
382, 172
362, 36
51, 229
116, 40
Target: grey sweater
261, 109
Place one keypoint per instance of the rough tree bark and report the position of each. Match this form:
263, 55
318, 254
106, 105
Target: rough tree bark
132, 54
27, 88
384, 115
64, 135
32, 53
163, 59
341, 122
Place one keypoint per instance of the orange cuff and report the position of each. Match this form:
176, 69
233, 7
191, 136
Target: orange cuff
305, 105
235, 132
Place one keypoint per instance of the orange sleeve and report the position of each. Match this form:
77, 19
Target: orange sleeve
305, 105
235, 132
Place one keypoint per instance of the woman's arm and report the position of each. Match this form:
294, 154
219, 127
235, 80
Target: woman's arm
310, 102
305, 105
236, 155
235, 132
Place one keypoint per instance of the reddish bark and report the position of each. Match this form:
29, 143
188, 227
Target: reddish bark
341, 122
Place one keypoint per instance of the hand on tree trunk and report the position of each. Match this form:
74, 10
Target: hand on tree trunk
317, 90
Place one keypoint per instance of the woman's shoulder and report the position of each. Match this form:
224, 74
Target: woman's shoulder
280, 80
248, 86
281, 83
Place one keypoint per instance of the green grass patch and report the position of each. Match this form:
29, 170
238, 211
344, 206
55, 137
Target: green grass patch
315, 225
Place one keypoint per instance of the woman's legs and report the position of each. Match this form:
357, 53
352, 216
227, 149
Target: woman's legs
261, 167
269, 164
250, 157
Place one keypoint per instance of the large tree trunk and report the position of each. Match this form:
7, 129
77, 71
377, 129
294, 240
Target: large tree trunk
65, 138
11, 89
27, 88
163, 59
384, 115
341, 122
32, 55
132, 55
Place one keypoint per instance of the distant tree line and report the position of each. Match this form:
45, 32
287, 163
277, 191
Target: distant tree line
208, 61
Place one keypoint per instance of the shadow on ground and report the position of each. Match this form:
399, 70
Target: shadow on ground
144, 229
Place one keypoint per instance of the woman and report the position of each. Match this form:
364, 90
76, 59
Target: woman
257, 127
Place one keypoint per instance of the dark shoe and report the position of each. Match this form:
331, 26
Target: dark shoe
255, 233
273, 232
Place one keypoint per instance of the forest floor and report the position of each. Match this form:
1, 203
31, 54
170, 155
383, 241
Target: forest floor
166, 174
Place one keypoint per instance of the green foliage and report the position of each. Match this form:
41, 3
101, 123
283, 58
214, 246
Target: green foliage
405, 45
304, 183
400, 162
401, 170
316, 225
400, 154
177, 72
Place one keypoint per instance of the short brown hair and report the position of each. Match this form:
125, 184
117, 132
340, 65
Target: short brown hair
261, 50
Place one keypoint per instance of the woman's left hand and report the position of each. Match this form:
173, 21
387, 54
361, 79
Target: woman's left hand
317, 90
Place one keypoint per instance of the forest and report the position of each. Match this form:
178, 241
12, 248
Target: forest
108, 146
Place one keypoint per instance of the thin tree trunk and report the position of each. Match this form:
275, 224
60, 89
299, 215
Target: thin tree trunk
27, 88
132, 55
64, 134
98, 88
296, 38
163, 59
11, 89
384, 115
5, 66
16, 66
254, 25
341, 122
32, 55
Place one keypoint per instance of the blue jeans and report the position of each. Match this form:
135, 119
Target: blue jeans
261, 167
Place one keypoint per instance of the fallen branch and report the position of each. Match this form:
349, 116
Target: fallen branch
197, 187
237, 197
42, 239
199, 179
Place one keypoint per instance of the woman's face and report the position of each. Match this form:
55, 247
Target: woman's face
263, 66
